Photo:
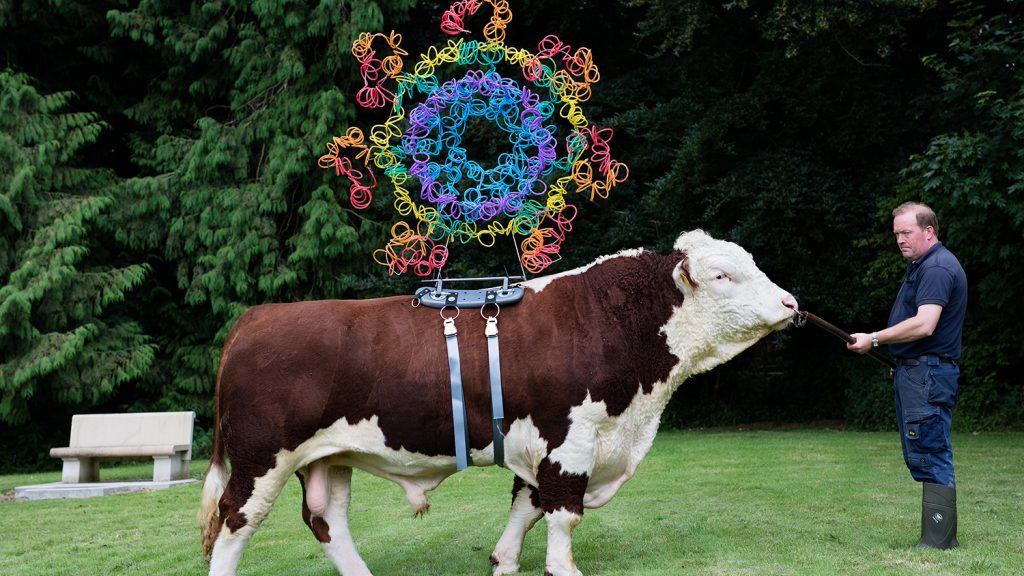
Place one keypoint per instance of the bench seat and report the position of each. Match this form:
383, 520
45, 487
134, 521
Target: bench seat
166, 437
113, 452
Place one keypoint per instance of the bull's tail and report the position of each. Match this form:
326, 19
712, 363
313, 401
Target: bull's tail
209, 507
208, 517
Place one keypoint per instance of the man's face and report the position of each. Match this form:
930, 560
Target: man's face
913, 240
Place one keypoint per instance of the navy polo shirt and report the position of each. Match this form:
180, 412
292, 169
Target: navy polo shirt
935, 278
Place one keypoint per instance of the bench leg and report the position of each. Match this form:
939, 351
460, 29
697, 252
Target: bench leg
78, 470
167, 468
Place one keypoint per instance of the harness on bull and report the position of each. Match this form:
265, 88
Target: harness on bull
525, 194
452, 301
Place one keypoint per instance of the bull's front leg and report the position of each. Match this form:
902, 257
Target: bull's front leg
524, 514
561, 499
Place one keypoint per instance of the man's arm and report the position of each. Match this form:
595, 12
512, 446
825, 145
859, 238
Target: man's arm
921, 325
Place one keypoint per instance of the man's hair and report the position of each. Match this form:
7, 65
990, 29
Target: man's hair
925, 215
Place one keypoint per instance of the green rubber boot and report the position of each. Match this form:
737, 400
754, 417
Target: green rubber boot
938, 517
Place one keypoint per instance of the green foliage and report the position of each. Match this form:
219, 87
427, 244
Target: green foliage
60, 337
247, 216
876, 25
974, 174
228, 193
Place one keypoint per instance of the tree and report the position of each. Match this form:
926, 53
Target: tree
973, 174
227, 197
64, 337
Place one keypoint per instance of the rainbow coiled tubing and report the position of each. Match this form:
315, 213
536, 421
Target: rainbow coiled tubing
449, 195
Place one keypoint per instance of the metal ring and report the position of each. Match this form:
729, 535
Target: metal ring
415, 302
497, 310
445, 307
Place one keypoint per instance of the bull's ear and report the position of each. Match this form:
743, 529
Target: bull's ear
684, 280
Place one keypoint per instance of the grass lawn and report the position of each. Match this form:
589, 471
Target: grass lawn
730, 503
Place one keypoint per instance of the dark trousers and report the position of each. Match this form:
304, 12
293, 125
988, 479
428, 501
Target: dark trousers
926, 391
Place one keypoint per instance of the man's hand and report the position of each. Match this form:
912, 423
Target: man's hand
862, 345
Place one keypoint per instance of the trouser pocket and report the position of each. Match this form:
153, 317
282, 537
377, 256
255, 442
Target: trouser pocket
941, 384
925, 433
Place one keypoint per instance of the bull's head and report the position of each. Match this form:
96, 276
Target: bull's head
729, 304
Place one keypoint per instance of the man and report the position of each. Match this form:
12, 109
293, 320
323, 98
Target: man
924, 334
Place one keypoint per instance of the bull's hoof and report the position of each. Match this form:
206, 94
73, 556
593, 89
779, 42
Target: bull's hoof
548, 572
498, 569
421, 510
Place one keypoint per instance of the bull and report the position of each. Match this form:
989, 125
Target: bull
590, 357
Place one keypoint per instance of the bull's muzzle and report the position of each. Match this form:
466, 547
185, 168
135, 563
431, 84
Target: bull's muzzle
790, 302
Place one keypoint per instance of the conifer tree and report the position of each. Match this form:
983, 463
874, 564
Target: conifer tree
62, 336
228, 191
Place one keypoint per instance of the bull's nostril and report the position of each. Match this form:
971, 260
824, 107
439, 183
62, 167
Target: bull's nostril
790, 302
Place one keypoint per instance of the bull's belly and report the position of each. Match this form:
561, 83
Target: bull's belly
604, 448
363, 446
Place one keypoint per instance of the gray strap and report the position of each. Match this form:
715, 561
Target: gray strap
458, 401
497, 404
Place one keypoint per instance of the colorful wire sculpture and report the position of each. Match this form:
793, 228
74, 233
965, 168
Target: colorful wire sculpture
523, 192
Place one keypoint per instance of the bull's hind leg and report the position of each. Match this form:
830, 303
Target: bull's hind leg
326, 495
243, 506
228, 548
524, 514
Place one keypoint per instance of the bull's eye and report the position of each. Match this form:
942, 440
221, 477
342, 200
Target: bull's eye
723, 276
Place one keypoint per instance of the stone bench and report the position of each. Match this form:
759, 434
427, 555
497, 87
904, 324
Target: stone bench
166, 437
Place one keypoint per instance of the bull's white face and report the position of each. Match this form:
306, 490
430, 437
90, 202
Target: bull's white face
729, 304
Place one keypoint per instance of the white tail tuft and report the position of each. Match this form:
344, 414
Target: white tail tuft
208, 517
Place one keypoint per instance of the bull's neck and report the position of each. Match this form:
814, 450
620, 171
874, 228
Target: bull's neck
637, 296
639, 292
691, 342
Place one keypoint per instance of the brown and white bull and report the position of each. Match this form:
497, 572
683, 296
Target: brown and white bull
590, 358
